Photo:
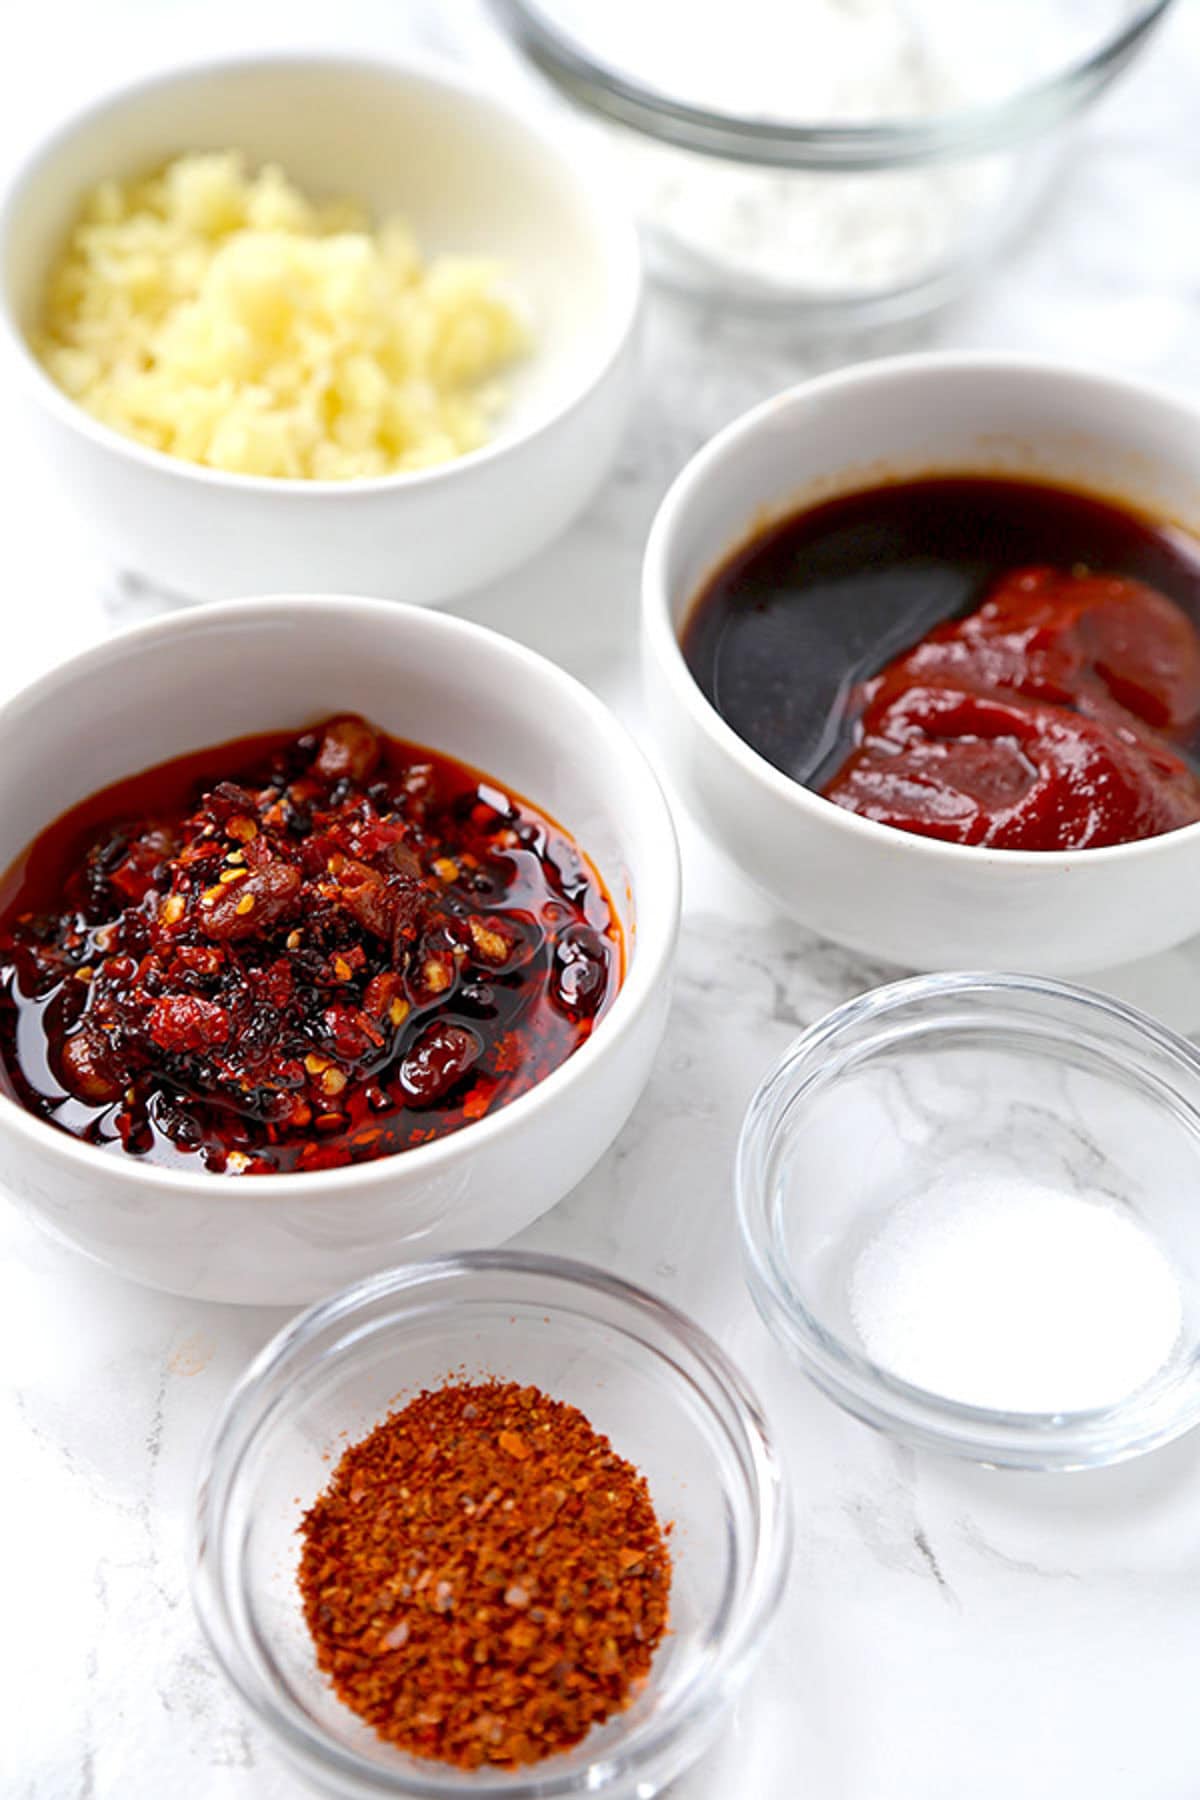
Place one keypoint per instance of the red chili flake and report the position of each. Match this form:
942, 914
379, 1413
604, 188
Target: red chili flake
380, 992
180, 1022
484, 1578
479, 1099
199, 959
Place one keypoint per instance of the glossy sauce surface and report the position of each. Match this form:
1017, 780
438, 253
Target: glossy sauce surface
296, 952
985, 661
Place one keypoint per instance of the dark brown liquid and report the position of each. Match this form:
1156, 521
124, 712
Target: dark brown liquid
785, 629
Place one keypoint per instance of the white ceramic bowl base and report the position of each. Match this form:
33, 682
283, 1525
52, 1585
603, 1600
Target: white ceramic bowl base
888, 893
471, 176
207, 675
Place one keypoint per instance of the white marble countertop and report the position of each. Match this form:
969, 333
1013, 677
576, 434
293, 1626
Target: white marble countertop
948, 1631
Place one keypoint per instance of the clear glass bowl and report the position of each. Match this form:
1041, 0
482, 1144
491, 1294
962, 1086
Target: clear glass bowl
986, 1086
853, 164
642, 1373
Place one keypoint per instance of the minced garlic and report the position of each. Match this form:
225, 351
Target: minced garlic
223, 318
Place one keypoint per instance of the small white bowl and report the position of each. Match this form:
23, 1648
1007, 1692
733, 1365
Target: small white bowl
889, 893
471, 175
207, 675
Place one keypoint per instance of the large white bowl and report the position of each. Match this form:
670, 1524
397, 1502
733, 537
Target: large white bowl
889, 893
471, 175
207, 675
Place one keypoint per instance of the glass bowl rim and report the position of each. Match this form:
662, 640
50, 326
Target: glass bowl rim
902, 143
1013, 1439
243, 1416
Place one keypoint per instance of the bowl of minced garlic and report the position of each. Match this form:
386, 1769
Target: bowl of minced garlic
217, 313
309, 322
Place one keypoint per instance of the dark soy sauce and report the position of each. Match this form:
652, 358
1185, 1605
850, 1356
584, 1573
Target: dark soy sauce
779, 637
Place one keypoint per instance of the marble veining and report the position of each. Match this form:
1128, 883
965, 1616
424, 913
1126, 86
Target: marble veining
948, 1630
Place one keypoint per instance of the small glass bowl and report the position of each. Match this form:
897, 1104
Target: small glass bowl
843, 167
979, 1079
641, 1372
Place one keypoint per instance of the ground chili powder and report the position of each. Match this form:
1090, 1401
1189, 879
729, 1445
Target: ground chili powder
484, 1578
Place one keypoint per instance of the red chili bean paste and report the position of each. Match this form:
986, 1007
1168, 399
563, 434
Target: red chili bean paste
345, 947
972, 658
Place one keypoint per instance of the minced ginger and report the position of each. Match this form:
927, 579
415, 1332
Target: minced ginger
224, 318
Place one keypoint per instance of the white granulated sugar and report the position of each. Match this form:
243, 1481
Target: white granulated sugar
1016, 1296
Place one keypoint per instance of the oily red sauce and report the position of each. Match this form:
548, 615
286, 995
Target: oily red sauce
983, 661
292, 953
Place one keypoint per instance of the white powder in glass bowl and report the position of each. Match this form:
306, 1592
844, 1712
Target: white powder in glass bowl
769, 231
1016, 1296
828, 237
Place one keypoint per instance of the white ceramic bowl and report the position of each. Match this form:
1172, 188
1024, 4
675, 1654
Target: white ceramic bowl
471, 175
889, 893
207, 675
